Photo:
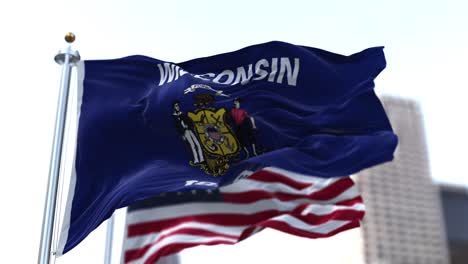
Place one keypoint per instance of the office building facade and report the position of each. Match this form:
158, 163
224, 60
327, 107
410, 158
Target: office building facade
403, 223
455, 211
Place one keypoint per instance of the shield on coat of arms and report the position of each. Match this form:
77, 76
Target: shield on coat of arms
216, 137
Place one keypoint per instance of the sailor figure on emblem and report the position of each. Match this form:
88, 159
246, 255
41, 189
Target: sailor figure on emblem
185, 128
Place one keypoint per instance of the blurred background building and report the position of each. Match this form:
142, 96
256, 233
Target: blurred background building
455, 209
404, 222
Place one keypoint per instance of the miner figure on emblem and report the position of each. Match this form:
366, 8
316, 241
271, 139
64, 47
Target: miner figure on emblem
184, 127
244, 127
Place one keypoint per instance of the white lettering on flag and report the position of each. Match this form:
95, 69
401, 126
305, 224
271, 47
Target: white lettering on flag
169, 72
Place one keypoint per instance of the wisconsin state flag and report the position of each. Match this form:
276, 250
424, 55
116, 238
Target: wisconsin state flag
148, 126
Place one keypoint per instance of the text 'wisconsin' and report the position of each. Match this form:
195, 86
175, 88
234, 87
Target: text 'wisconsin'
279, 70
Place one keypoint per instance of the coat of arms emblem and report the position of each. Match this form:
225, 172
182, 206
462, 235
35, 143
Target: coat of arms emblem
208, 132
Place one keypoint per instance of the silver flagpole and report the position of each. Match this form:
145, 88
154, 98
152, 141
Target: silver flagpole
109, 240
67, 58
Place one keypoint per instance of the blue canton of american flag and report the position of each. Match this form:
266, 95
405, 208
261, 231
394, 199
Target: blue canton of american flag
297, 204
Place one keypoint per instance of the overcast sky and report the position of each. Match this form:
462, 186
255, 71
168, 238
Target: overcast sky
426, 48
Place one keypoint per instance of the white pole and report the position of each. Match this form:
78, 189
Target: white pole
67, 58
109, 240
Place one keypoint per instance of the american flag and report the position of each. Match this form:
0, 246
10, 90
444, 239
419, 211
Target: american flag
297, 204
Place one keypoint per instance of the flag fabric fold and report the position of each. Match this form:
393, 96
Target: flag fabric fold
301, 205
148, 126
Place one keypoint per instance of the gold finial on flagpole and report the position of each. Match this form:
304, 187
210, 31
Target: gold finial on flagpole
74, 56
70, 37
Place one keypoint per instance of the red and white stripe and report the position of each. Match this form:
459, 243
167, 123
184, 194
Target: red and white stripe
297, 204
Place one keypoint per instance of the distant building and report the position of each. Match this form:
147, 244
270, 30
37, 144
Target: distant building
455, 208
403, 223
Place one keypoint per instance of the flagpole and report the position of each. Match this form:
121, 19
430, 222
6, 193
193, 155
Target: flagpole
109, 240
67, 58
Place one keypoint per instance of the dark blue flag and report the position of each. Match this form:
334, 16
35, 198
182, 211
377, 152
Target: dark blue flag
148, 126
